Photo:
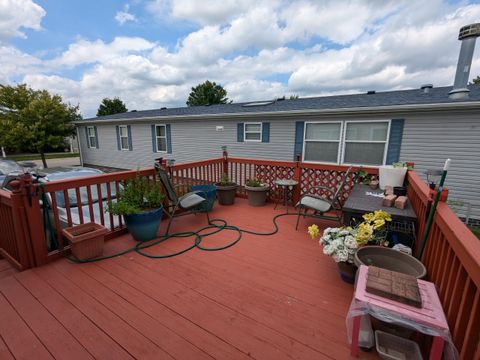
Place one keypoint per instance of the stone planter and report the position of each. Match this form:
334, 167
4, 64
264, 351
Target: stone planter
257, 195
226, 193
391, 176
86, 240
390, 259
144, 226
347, 271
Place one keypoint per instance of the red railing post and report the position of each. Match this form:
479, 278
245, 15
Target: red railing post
297, 176
225, 161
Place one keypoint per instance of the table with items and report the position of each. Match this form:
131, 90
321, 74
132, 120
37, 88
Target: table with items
287, 186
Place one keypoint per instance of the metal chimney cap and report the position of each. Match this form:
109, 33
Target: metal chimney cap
426, 86
472, 30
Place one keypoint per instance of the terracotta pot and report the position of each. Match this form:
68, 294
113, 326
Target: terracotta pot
347, 271
257, 195
226, 193
86, 240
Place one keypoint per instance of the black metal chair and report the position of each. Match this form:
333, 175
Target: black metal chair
320, 204
189, 202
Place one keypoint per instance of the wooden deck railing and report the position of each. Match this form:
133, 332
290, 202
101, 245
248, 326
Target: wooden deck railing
452, 253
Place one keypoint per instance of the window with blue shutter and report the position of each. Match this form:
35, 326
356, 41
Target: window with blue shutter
265, 132
298, 148
395, 141
169, 139
129, 133
92, 136
161, 138
240, 130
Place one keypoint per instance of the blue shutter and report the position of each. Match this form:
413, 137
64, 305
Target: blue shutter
86, 135
169, 138
129, 132
265, 132
299, 129
154, 138
117, 128
395, 141
97, 143
240, 132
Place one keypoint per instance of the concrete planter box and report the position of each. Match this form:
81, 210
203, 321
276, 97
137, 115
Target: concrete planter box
86, 240
391, 176
226, 193
257, 195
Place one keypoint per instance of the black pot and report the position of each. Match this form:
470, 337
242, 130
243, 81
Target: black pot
400, 191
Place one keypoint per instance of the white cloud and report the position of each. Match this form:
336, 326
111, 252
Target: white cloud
19, 14
124, 16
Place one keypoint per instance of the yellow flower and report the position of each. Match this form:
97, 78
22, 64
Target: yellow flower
382, 215
378, 224
313, 230
364, 233
369, 217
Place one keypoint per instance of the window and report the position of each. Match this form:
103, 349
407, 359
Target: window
253, 132
92, 139
322, 142
161, 137
365, 142
123, 133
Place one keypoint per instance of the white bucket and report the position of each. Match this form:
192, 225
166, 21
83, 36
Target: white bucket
391, 176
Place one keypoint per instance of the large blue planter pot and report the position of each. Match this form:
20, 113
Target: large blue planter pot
144, 226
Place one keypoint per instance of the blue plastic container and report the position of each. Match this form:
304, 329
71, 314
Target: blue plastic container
144, 226
207, 191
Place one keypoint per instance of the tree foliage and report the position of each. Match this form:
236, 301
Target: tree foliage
34, 119
477, 80
111, 106
208, 93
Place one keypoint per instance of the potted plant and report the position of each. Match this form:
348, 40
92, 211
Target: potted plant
226, 190
393, 175
256, 191
141, 207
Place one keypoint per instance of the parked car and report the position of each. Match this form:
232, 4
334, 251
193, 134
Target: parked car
63, 173
7, 167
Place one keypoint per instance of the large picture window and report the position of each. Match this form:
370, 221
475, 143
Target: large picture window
92, 139
161, 137
123, 133
365, 142
253, 132
322, 142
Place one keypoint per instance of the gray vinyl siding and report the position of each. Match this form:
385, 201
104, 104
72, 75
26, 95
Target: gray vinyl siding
430, 140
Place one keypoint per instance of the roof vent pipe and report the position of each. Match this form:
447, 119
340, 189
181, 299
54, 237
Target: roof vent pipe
426, 88
468, 35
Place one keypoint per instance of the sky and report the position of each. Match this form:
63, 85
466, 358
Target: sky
150, 53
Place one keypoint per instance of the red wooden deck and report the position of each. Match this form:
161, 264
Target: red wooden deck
275, 297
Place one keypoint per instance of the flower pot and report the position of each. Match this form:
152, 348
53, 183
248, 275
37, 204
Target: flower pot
390, 259
226, 193
391, 176
347, 271
257, 195
86, 240
144, 226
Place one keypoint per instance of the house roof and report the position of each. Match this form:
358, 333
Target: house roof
415, 97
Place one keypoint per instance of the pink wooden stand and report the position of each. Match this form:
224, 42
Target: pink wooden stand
430, 315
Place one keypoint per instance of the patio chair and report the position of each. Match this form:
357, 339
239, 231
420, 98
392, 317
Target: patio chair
321, 204
189, 202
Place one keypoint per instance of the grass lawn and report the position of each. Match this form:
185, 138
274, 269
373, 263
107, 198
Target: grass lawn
24, 157
476, 231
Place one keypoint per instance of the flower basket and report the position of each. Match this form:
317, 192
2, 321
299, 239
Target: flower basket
86, 240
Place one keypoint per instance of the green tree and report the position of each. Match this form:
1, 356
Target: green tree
207, 93
34, 119
111, 106
477, 80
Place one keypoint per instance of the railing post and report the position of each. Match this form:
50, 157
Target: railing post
297, 176
225, 162
33, 214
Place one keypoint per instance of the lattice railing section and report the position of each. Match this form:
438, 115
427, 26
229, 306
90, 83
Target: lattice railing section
270, 173
331, 179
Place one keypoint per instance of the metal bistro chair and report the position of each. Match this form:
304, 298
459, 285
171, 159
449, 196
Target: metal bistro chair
189, 202
321, 205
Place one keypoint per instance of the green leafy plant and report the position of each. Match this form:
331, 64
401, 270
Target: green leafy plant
363, 176
255, 182
225, 181
402, 164
136, 197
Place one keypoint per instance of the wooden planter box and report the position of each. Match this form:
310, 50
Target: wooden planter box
86, 240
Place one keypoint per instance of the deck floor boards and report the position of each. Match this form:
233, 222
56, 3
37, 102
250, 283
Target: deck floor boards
267, 297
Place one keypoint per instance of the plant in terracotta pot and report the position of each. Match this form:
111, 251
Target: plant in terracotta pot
141, 207
256, 191
226, 190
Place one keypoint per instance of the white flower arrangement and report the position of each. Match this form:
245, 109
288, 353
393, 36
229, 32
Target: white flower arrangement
339, 243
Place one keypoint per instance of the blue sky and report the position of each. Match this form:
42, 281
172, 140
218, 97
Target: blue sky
150, 53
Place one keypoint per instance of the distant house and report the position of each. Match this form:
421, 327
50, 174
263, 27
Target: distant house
424, 125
